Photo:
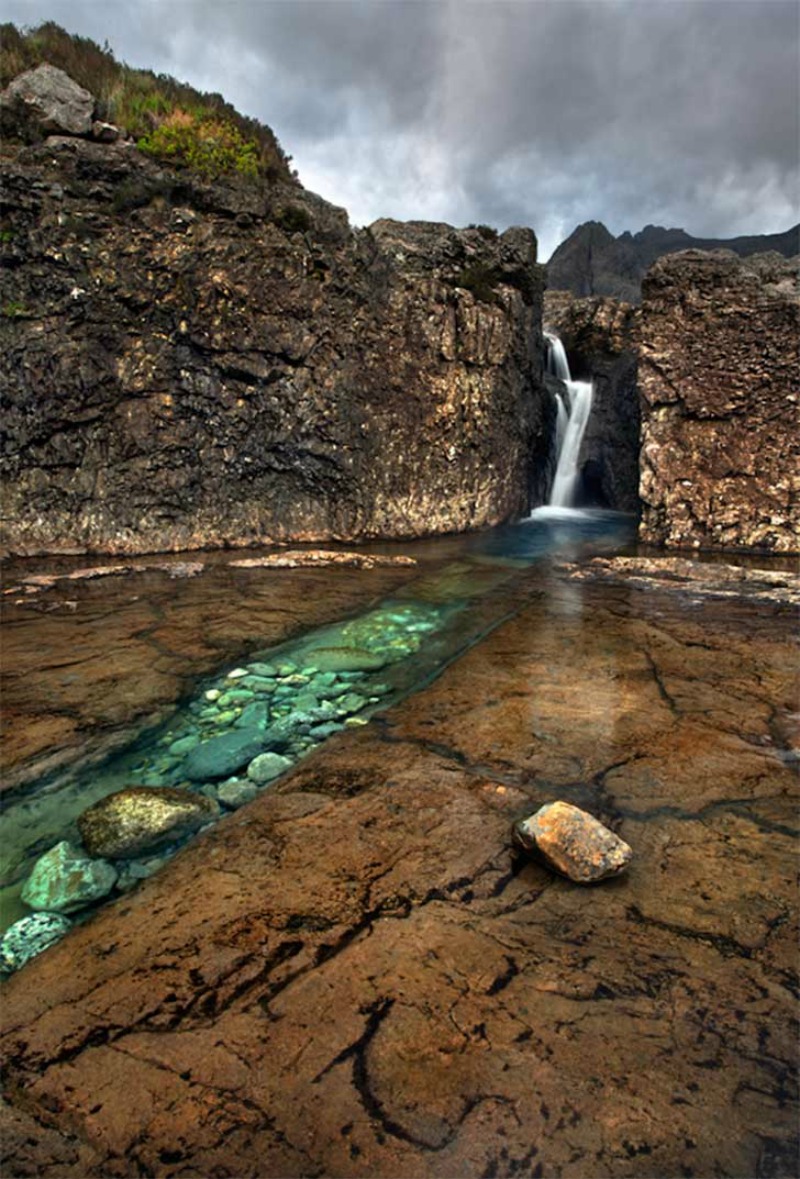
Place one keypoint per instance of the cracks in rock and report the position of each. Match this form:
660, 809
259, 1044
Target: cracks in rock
375, 1108
505, 977
728, 947
659, 682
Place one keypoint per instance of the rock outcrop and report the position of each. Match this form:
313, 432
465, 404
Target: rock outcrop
599, 335
591, 261
720, 456
187, 364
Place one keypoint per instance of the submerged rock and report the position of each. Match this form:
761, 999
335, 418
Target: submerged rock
236, 793
348, 659
253, 716
64, 879
30, 936
140, 819
573, 842
220, 756
265, 767
133, 872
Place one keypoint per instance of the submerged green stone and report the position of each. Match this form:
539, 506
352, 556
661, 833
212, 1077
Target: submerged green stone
65, 879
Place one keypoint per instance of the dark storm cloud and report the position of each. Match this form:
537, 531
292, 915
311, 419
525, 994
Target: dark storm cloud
548, 113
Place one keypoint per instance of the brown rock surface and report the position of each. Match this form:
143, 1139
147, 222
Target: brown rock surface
416, 1001
182, 367
718, 373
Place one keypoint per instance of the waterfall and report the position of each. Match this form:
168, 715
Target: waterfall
570, 424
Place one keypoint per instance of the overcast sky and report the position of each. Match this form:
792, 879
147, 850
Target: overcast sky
531, 112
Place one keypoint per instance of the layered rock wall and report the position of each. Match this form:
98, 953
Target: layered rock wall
720, 385
187, 365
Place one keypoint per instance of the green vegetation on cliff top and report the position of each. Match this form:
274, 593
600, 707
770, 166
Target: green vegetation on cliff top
168, 119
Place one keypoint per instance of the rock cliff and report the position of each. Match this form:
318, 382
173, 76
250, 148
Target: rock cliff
591, 261
599, 336
720, 457
188, 364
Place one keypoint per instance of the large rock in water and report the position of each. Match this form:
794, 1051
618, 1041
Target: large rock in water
45, 101
328, 383
573, 842
65, 879
718, 373
142, 819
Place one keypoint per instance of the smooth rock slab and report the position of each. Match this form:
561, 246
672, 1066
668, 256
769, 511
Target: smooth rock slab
65, 879
221, 756
139, 819
573, 842
30, 936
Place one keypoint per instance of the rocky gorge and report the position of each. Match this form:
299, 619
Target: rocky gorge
301, 844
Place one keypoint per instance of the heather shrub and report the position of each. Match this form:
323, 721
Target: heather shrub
212, 147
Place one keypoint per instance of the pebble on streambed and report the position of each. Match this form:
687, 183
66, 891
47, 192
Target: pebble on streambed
573, 842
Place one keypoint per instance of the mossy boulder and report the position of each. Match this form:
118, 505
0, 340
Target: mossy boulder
142, 819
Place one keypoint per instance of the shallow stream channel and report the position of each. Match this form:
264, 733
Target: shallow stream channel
236, 732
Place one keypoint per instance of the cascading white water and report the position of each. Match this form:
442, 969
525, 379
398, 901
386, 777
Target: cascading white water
570, 425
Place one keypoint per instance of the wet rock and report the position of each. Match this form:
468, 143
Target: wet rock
573, 842
29, 936
317, 557
267, 766
236, 794
281, 732
133, 872
45, 101
321, 732
352, 702
65, 879
220, 756
137, 820
184, 745
266, 670
348, 659
253, 716
258, 685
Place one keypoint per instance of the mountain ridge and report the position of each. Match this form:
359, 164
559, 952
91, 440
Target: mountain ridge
591, 261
